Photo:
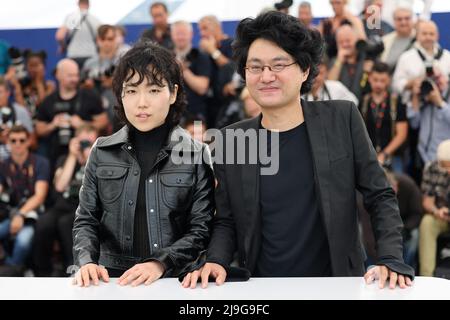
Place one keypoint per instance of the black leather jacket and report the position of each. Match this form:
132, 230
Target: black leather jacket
182, 196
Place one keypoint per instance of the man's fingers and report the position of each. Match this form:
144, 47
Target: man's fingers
220, 279
93, 275
205, 277
78, 279
103, 273
194, 279
401, 281
85, 277
383, 276
393, 280
131, 276
139, 280
370, 275
124, 275
150, 280
186, 280
408, 281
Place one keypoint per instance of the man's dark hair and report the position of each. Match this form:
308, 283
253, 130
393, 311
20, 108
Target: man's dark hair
18, 129
381, 67
159, 4
155, 63
103, 30
304, 45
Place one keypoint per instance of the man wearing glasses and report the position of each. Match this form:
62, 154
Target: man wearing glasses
23, 187
302, 220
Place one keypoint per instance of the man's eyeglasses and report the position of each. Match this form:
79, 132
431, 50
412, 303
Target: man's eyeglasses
257, 69
14, 141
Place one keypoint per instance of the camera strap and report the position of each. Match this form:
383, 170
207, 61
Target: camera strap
437, 56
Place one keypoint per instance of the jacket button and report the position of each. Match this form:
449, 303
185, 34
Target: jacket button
130, 203
128, 238
151, 181
151, 210
129, 147
178, 180
136, 173
155, 245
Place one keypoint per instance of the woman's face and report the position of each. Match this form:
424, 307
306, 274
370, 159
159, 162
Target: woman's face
35, 66
147, 105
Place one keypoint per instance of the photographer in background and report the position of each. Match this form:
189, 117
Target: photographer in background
98, 71
354, 60
66, 110
24, 184
196, 67
436, 197
10, 114
57, 222
385, 118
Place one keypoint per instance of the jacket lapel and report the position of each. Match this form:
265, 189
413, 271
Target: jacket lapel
316, 128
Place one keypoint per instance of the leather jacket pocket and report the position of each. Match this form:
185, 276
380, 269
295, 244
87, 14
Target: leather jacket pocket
176, 189
111, 180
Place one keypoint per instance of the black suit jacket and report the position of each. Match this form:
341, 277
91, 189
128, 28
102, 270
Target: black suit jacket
344, 161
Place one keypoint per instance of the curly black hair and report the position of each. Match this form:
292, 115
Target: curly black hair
157, 64
306, 46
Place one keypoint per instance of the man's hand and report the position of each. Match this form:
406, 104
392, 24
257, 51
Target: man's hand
146, 273
76, 121
74, 147
208, 45
60, 120
89, 272
16, 224
382, 273
213, 269
435, 96
442, 214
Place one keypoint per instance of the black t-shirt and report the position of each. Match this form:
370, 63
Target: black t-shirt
200, 65
381, 113
86, 104
294, 241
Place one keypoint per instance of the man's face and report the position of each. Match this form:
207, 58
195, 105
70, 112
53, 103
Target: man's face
108, 43
346, 39
206, 28
181, 36
273, 89
19, 143
4, 96
403, 22
427, 35
146, 105
379, 81
159, 16
68, 77
305, 15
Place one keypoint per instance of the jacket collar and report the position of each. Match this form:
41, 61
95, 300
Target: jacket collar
177, 137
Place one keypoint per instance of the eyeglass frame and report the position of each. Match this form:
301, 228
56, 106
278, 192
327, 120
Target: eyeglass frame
261, 68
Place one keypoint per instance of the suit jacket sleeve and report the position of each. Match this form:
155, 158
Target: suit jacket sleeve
379, 198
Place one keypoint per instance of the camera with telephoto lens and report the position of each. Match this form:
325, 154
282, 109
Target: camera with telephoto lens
372, 47
6, 117
285, 4
18, 62
427, 84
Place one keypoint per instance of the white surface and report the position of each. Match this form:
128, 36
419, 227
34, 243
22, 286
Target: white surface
255, 289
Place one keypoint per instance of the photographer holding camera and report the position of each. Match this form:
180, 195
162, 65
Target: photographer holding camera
57, 222
354, 60
98, 71
24, 179
422, 73
196, 66
66, 110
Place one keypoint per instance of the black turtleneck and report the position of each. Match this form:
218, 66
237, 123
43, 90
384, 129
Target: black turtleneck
147, 146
